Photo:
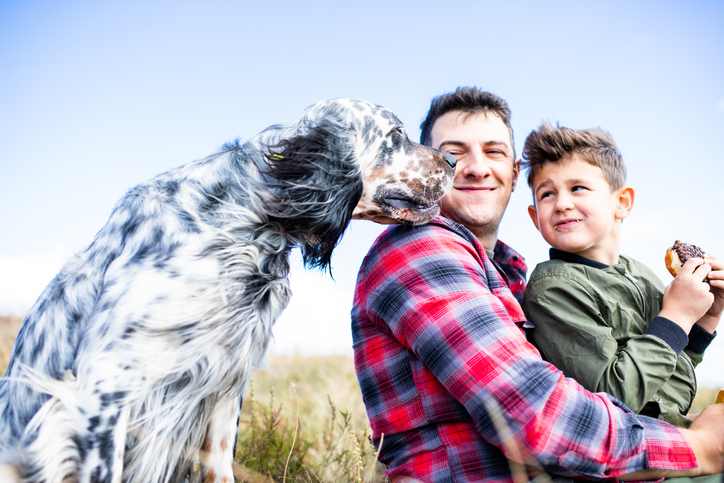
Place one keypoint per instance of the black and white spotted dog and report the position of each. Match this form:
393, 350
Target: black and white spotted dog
134, 359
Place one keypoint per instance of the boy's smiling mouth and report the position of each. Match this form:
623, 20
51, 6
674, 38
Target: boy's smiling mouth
562, 225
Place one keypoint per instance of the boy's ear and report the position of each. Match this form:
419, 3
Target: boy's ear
625, 202
533, 212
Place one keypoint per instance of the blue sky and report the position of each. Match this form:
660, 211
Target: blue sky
96, 97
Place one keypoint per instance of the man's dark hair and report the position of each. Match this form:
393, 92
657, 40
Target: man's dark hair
469, 100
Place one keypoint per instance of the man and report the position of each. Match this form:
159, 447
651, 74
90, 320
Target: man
445, 371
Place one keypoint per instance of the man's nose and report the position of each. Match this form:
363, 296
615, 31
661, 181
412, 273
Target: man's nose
477, 165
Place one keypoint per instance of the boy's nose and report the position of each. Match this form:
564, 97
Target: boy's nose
564, 202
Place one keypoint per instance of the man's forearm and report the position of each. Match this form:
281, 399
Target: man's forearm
706, 438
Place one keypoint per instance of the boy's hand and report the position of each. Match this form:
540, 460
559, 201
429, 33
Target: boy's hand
687, 299
711, 319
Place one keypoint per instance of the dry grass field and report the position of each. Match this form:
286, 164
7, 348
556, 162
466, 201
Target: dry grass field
303, 417
302, 414
8, 328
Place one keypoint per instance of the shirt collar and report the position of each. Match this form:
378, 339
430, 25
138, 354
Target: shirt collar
506, 255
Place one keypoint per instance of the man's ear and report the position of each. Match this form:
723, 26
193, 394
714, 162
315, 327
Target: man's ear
625, 201
533, 212
516, 172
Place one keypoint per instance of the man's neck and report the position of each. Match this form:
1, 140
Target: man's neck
488, 240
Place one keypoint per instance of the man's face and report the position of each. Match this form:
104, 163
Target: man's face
486, 172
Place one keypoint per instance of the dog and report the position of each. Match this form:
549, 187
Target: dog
135, 358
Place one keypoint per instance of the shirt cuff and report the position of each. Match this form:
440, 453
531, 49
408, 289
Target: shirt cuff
699, 339
666, 447
669, 332
660, 446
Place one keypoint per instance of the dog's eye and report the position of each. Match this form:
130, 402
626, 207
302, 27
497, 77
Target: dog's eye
399, 130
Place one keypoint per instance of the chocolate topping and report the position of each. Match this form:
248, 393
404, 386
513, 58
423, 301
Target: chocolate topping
686, 251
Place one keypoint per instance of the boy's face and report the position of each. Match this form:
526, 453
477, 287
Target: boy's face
576, 211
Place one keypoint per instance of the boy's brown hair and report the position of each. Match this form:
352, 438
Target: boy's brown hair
551, 144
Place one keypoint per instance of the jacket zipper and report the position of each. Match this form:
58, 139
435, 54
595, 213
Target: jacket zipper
641, 294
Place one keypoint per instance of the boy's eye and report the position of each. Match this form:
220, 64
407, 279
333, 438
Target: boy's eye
546, 195
578, 188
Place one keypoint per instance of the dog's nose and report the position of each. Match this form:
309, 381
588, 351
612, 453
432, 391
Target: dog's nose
450, 159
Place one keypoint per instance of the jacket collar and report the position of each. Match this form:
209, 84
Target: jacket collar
556, 254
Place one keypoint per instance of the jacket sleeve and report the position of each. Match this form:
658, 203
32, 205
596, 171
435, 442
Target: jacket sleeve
572, 333
437, 302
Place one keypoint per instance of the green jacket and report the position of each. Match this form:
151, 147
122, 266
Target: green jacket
599, 324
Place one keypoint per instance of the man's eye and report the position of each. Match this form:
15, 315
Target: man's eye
496, 153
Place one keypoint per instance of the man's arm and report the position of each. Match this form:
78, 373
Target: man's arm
438, 303
705, 437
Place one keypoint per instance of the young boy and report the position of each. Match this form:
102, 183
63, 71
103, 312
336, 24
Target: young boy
600, 317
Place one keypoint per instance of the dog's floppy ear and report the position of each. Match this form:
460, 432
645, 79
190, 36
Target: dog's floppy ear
317, 184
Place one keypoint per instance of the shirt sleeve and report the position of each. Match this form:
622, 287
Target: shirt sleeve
571, 332
437, 301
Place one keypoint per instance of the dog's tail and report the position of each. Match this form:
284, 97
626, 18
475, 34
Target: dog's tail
48, 451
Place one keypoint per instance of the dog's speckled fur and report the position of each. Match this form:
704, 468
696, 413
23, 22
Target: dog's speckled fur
134, 358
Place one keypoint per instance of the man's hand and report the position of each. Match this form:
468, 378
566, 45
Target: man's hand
711, 319
706, 437
687, 298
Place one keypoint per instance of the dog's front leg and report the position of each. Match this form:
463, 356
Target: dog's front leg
105, 445
217, 453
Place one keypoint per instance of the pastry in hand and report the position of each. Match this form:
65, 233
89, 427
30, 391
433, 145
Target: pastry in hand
679, 253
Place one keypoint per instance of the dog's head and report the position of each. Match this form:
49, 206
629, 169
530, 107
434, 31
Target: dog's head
402, 180
347, 159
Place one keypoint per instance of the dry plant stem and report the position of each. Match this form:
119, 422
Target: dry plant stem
518, 470
379, 448
358, 453
296, 428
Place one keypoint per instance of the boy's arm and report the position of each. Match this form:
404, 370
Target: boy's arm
572, 334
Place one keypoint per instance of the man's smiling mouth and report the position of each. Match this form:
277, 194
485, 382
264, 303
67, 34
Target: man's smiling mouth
473, 189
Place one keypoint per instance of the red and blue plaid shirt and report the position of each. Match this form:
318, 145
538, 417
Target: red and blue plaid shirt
449, 378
